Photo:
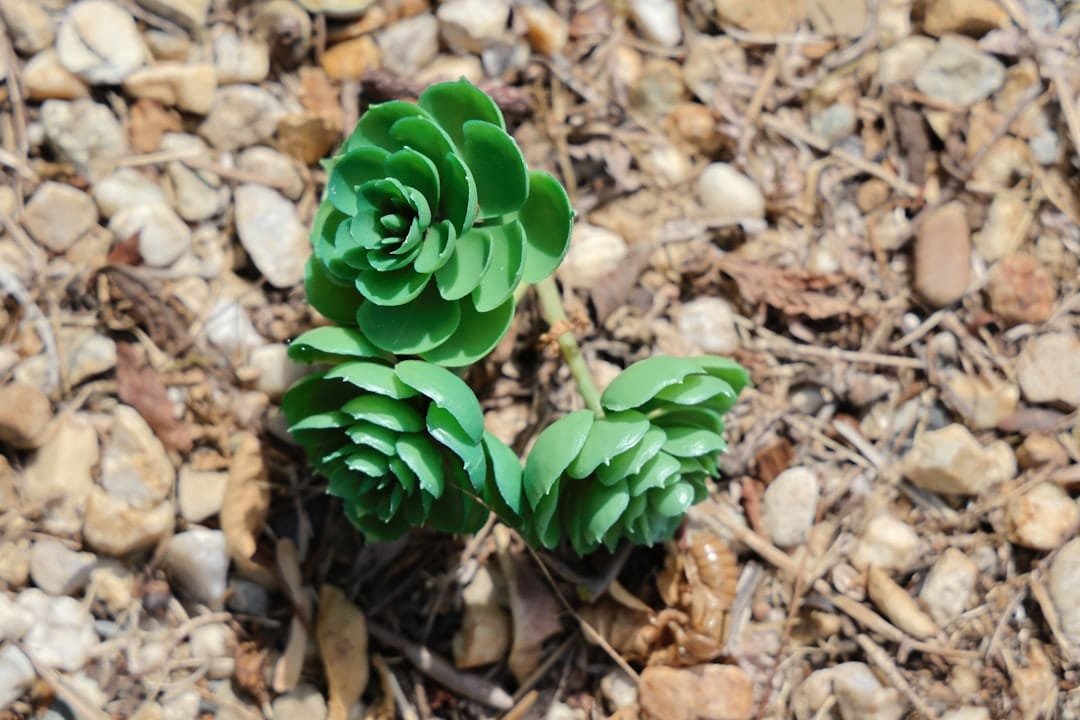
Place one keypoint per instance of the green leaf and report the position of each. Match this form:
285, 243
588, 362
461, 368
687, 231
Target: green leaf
342, 484
423, 459
458, 200
506, 470
607, 438
393, 288
675, 415
389, 413
452, 104
417, 171
654, 474
408, 481
413, 328
439, 242
424, 135
545, 524
603, 507
466, 266
351, 170
497, 166
373, 377
447, 391
547, 218
337, 302
630, 461
367, 461
691, 442
726, 369
697, 389
446, 430
504, 269
331, 344
373, 436
475, 337
640, 382
672, 501
309, 395
554, 450
377, 123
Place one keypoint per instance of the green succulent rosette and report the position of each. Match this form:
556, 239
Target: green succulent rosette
633, 473
429, 222
402, 444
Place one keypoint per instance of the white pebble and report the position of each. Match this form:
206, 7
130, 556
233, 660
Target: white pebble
62, 636
58, 570
949, 586
709, 323
888, 543
789, 505
728, 195
198, 561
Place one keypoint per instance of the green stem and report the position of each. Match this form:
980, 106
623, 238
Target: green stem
552, 309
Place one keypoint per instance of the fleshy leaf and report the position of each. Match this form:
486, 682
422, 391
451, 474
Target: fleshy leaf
331, 344
452, 104
640, 382
477, 334
630, 461
417, 171
389, 413
504, 268
554, 450
607, 438
466, 266
506, 469
692, 442
351, 170
393, 288
423, 459
376, 124
547, 218
446, 390
373, 377
726, 369
603, 507
497, 165
413, 328
326, 295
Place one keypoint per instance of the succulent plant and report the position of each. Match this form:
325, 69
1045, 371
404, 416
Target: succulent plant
633, 473
429, 222
403, 444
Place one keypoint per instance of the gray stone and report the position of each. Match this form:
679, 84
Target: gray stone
62, 636
58, 215
98, 41
861, 696
163, 237
709, 323
242, 115
888, 543
272, 234
198, 561
900, 62
84, 133
789, 505
125, 188
214, 644
272, 165
58, 570
471, 26
410, 44
16, 674
14, 620
85, 353
29, 26
959, 72
229, 327
834, 123
276, 370
189, 13
303, 703
728, 195
949, 587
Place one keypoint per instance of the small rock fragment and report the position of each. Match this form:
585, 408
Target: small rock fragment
200, 194
24, 414
163, 237
861, 696
594, 253
272, 165
125, 188
46, 79
950, 461
959, 72
191, 14
834, 123
1049, 369
303, 703
1042, 518
484, 637
967, 713
62, 635
471, 26
619, 689
59, 476
240, 59
117, 528
351, 59
943, 255
229, 327
717, 692
241, 115
198, 561
983, 401
657, 20
1021, 290
272, 234
17, 674
1064, 578
967, 17
30, 28
728, 195
899, 607
887, 543
1039, 449
58, 215
337, 8
200, 493
86, 353
899, 63
843, 18
789, 505
277, 371
709, 323
112, 584
57, 570
136, 468
768, 17
98, 41
190, 87
84, 133
409, 44
949, 586
215, 644
14, 620
546, 30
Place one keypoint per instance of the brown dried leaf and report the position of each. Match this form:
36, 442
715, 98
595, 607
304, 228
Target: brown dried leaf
533, 607
793, 291
135, 300
291, 663
341, 632
243, 511
248, 675
1062, 192
308, 137
150, 120
318, 95
140, 386
485, 631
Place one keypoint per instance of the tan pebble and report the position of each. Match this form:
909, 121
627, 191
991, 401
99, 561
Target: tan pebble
189, 87
351, 59
1042, 518
983, 401
871, 194
1038, 449
45, 78
1021, 290
694, 124
968, 17
24, 414
545, 28
717, 692
943, 255
1049, 369
899, 607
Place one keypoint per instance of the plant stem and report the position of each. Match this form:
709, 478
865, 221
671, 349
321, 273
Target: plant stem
552, 309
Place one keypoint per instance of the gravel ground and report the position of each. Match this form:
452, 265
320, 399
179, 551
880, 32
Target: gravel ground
872, 204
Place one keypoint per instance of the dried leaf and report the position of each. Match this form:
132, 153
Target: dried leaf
485, 631
793, 291
1062, 192
140, 386
248, 675
341, 632
534, 609
291, 663
243, 511
308, 137
150, 120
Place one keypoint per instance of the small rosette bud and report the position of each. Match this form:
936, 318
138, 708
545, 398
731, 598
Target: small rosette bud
430, 221
633, 473
403, 445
